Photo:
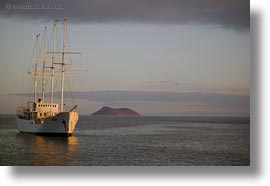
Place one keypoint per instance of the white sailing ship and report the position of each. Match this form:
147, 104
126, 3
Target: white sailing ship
44, 115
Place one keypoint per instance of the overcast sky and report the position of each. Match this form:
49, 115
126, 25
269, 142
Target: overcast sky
173, 57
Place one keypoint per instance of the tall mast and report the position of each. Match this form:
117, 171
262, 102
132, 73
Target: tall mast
43, 69
62, 63
52, 75
63, 67
35, 70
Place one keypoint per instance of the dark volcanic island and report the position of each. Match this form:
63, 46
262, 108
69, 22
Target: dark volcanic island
108, 111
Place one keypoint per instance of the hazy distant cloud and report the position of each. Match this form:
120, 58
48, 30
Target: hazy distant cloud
199, 98
170, 85
194, 98
185, 103
182, 103
233, 14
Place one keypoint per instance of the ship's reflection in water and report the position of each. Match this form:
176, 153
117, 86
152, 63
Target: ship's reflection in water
47, 150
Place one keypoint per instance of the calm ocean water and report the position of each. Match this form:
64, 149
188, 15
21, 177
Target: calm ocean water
132, 141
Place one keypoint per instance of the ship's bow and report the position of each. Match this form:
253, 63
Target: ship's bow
73, 119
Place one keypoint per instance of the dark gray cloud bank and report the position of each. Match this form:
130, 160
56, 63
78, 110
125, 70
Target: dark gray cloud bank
233, 14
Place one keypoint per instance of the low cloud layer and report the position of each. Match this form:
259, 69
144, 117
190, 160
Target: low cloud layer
199, 98
233, 14
174, 103
177, 103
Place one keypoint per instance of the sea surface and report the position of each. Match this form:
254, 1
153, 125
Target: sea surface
134, 141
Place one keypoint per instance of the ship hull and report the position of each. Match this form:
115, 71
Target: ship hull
62, 124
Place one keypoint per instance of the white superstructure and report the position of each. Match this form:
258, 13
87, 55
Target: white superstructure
41, 116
